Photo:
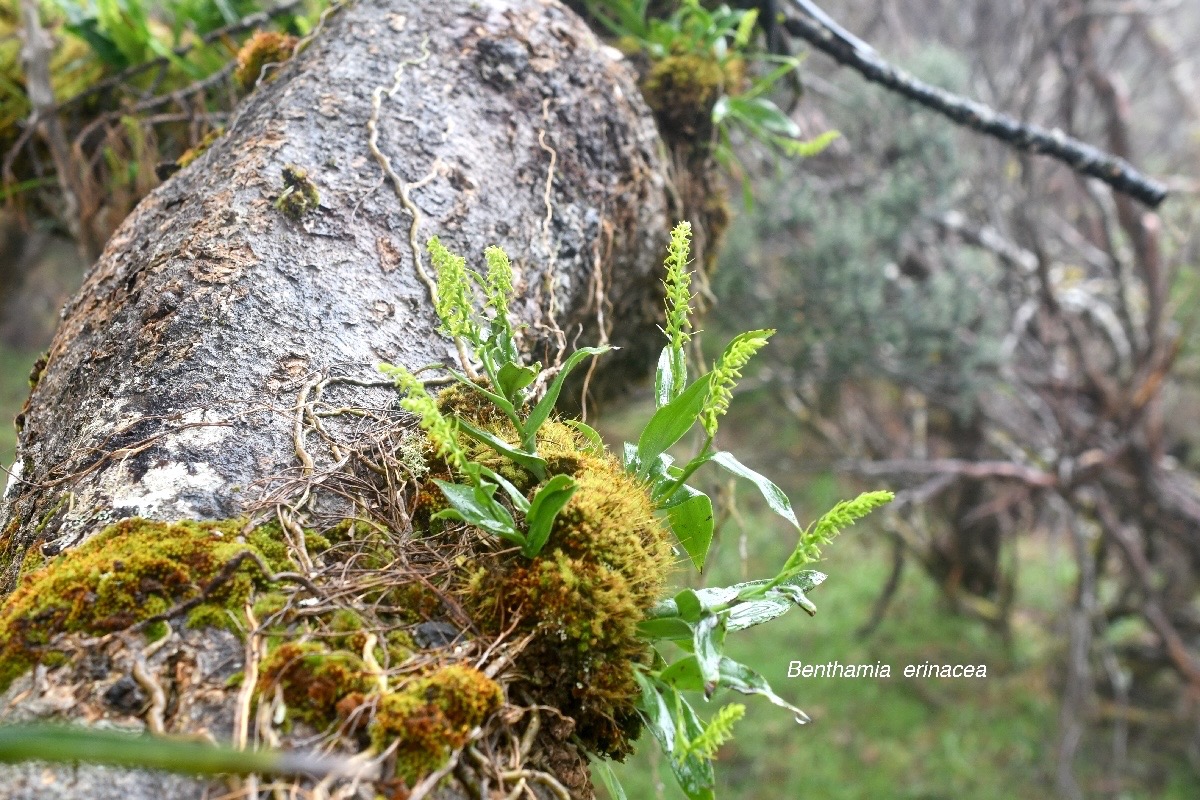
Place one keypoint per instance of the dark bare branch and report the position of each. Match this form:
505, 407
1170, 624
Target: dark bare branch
815, 27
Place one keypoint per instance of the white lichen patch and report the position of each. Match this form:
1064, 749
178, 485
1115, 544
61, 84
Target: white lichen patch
209, 432
160, 492
14, 478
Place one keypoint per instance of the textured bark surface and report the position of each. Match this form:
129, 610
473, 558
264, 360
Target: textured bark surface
168, 387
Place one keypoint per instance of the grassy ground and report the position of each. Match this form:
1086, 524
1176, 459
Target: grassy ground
14, 388
983, 738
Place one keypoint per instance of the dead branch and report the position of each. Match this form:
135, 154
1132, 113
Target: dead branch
815, 26
978, 470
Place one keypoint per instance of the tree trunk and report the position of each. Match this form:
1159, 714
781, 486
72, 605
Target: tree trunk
176, 384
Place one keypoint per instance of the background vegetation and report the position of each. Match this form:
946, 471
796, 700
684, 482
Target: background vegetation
904, 269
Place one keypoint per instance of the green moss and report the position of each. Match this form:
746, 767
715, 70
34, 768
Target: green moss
395, 648
264, 47
271, 544
400, 647
38, 369
313, 678
269, 603
55, 659
315, 542
344, 531
299, 195
214, 615
433, 716
353, 626
126, 573
200, 148
682, 89
604, 565
157, 630
413, 602
33, 560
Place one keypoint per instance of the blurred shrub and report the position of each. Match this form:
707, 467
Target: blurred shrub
848, 262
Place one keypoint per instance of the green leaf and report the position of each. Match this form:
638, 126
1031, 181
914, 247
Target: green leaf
777, 501
512, 378
777, 601
805, 581
766, 82
670, 376
519, 501
73, 744
535, 464
476, 506
692, 522
684, 674
759, 112
654, 710
541, 412
722, 109
708, 642
629, 458
661, 477
693, 772
608, 779
546, 504
104, 47
127, 26
741, 678
595, 443
749, 604
665, 628
671, 422
688, 605
182, 64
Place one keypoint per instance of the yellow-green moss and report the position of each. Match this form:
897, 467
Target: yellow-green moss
264, 47
682, 89
313, 678
38, 369
603, 567
269, 603
201, 147
157, 630
124, 574
433, 716
400, 646
299, 195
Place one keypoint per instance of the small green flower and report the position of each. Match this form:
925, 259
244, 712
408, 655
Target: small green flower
718, 731
831, 523
453, 302
725, 375
499, 279
442, 431
677, 283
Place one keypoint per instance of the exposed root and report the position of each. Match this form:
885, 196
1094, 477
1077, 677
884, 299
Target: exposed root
402, 188
551, 277
150, 685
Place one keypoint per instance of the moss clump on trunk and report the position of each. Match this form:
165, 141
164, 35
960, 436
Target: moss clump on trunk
128, 572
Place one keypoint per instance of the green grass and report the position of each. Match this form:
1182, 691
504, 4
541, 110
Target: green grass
14, 388
981, 738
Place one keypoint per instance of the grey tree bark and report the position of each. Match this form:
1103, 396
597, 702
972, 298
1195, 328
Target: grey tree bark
169, 389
